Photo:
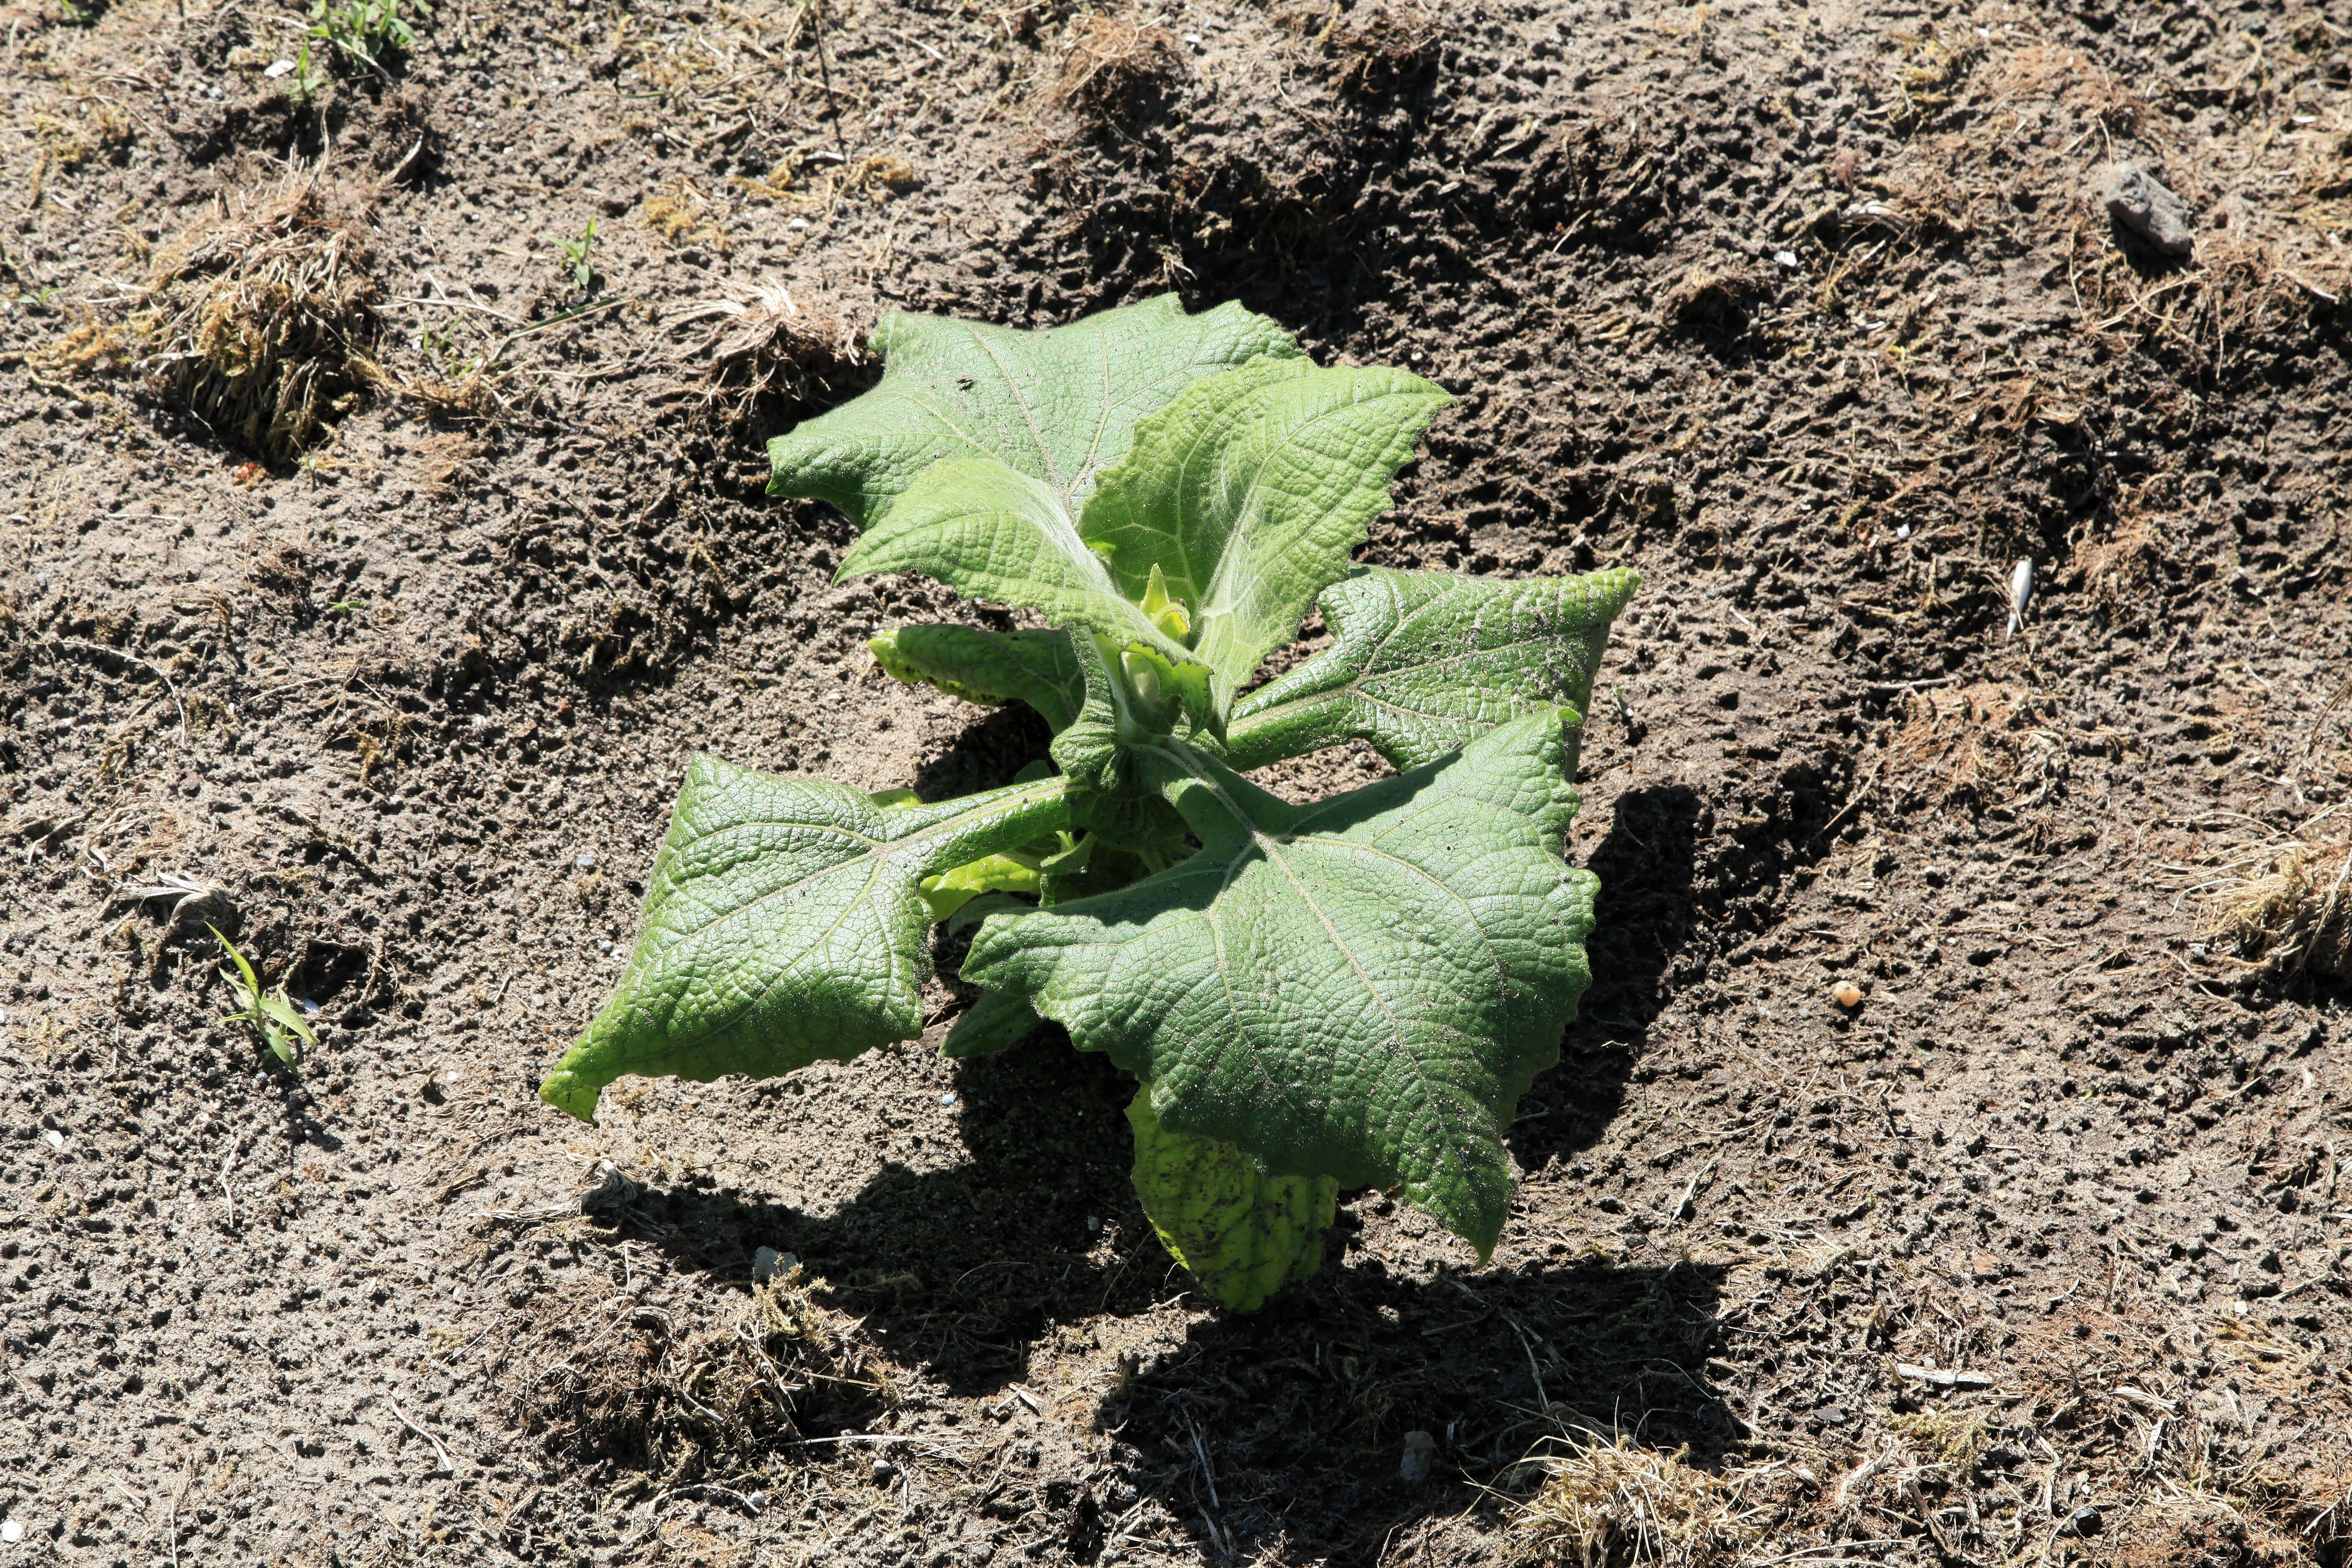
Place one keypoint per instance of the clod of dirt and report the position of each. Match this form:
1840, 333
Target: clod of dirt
260, 315
1706, 297
1381, 48
2144, 204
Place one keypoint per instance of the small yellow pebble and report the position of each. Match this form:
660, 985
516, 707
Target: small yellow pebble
1847, 992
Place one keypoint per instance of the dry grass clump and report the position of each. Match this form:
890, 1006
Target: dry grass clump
2121, 572
259, 316
680, 1406
1607, 1503
683, 216
1974, 745
2287, 908
766, 344
1377, 46
1114, 61
1932, 74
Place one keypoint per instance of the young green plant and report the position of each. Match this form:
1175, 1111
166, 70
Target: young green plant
271, 1014
576, 254
1351, 994
367, 32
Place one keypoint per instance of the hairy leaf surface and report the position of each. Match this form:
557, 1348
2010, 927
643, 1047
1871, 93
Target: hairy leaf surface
1244, 499
1242, 1234
1055, 407
1360, 989
989, 668
1420, 662
782, 925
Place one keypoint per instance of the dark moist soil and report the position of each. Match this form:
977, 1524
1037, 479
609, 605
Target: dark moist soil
1802, 311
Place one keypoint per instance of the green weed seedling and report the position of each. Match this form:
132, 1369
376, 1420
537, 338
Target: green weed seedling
575, 256
271, 1014
366, 31
306, 81
1349, 994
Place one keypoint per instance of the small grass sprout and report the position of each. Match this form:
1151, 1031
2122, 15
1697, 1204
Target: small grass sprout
576, 255
307, 78
272, 1014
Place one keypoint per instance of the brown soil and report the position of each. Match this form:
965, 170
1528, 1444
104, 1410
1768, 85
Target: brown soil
1802, 311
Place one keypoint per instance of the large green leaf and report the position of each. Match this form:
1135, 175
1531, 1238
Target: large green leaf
1360, 989
990, 533
1242, 1234
1420, 662
989, 668
1055, 407
783, 925
1246, 495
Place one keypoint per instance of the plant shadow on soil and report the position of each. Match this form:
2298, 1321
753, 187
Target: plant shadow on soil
994, 1271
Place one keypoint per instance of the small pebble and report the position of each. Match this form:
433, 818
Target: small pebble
883, 1472
1420, 1452
12, 1531
947, 1099
54, 1140
1847, 992
587, 862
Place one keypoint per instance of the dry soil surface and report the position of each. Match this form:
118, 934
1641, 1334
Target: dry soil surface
372, 562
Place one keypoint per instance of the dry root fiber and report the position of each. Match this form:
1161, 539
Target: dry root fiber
259, 315
2294, 914
1609, 1504
683, 1405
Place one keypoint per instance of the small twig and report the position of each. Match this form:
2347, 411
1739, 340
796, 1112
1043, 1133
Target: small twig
404, 1421
227, 1197
708, 1486
492, 357
1685, 1206
1200, 1452
134, 658
1853, 802
825, 71
1911, 685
